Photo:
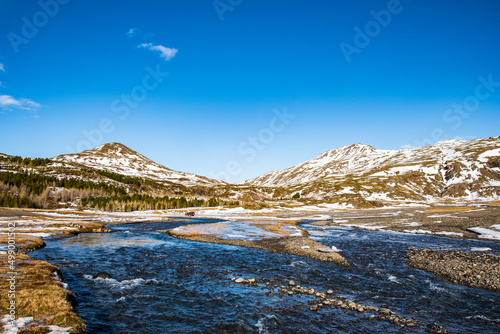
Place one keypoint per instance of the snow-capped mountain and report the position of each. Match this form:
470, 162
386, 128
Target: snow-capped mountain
357, 174
118, 158
447, 168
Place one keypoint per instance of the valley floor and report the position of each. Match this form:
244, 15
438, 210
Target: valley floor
275, 229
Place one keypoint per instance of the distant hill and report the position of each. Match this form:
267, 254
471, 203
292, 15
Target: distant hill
109, 177
118, 158
453, 168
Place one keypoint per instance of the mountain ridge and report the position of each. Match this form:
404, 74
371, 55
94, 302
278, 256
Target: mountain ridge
445, 165
357, 174
118, 158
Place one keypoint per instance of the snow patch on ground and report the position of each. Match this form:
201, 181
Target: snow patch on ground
40, 235
377, 196
14, 327
480, 249
420, 231
483, 157
58, 330
346, 190
486, 233
413, 224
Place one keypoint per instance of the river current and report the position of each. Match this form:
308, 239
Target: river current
160, 284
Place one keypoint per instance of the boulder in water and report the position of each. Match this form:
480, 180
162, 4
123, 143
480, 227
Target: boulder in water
102, 275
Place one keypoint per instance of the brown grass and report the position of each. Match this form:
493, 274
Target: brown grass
39, 295
24, 242
452, 209
35, 329
87, 227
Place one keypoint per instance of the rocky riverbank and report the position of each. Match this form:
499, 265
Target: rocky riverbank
459, 222
275, 236
476, 270
35, 298
301, 246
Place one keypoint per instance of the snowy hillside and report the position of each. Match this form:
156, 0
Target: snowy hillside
357, 175
448, 168
118, 158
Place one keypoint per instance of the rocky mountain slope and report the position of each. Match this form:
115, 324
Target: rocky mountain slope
118, 158
357, 174
451, 168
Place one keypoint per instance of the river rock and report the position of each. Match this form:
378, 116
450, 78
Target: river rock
385, 311
102, 275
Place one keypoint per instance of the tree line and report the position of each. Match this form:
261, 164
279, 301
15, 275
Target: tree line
33, 162
140, 202
37, 183
32, 190
125, 178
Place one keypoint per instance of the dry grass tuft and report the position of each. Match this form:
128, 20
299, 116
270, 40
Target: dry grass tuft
35, 329
40, 295
24, 242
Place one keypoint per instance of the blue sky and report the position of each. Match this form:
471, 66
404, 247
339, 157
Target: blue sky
234, 89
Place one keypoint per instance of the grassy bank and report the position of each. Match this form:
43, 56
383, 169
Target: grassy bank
37, 292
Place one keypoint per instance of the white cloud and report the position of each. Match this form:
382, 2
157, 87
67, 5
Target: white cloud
8, 102
132, 32
136, 32
2, 68
166, 53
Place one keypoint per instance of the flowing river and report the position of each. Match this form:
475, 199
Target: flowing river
160, 284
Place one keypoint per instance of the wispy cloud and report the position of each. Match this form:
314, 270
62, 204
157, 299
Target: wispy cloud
166, 53
2, 68
136, 32
8, 102
132, 32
